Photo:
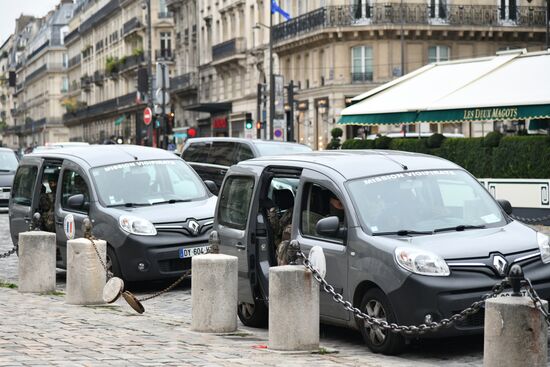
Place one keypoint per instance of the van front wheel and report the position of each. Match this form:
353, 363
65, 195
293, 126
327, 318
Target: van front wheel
254, 315
376, 304
112, 263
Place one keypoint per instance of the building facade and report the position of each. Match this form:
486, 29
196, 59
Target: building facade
109, 48
343, 48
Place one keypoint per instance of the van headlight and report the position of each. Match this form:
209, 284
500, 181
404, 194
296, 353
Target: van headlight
544, 246
136, 225
421, 262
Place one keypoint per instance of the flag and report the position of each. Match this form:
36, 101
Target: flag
276, 9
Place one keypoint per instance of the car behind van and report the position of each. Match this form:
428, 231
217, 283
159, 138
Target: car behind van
408, 238
152, 209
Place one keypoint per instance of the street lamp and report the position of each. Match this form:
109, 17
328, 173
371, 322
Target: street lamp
147, 4
271, 79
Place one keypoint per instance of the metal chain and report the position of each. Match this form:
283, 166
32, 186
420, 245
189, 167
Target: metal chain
531, 220
91, 239
403, 329
532, 293
167, 289
9, 253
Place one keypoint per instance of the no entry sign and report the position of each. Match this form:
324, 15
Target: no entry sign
147, 116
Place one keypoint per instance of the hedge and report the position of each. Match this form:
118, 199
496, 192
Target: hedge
496, 157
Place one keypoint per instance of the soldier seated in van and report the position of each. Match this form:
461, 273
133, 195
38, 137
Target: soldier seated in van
280, 219
46, 204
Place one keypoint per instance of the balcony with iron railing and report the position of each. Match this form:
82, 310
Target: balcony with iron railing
165, 15
183, 82
130, 26
164, 55
101, 108
131, 62
392, 13
228, 49
362, 77
74, 61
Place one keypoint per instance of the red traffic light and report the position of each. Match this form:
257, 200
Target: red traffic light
191, 132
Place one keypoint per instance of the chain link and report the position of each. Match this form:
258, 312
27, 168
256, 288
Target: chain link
531, 220
403, 329
9, 253
167, 289
532, 293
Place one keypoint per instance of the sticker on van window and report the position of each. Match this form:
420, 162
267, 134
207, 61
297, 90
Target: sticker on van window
491, 218
139, 164
68, 226
396, 176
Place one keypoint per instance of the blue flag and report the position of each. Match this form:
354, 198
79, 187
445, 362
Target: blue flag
276, 9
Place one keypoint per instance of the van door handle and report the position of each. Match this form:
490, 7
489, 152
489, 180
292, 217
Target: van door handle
240, 246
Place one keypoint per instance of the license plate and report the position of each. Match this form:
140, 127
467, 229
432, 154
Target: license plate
4, 195
192, 251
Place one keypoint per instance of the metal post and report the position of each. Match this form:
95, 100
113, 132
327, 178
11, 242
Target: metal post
163, 122
290, 120
547, 24
402, 39
150, 60
271, 78
258, 111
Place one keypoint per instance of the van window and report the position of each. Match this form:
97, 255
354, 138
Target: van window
243, 153
222, 153
235, 202
196, 152
73, 184
319, 203
23, 185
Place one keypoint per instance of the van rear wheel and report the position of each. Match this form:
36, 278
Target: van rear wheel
254, 315
376, 304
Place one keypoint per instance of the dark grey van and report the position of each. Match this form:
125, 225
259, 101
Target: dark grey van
152, 209
408, 238
212, 157
8, 165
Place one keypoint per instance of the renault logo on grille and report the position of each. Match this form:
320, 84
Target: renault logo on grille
500, 264
194, 226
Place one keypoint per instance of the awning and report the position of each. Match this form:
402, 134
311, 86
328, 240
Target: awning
510, 86
210, 107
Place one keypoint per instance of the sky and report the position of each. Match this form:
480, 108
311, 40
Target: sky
11, 9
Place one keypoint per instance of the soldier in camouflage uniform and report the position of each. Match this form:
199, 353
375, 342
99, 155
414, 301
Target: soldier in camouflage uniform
282, 228
46, 206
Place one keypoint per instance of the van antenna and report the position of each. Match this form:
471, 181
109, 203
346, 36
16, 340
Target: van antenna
393, 160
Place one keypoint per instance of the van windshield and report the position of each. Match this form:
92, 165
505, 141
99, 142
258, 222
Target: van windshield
424, 201
147, 183
8, 161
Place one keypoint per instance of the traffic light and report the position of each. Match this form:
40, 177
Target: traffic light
249, 124
169, 122
258, 125
191, 132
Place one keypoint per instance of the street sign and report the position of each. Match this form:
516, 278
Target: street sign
147, 116
159, 98
163, 77
279, 129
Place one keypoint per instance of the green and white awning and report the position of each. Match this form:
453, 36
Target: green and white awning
509, 86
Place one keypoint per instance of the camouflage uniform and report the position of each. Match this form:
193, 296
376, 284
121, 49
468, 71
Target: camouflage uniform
46, 209
282, 228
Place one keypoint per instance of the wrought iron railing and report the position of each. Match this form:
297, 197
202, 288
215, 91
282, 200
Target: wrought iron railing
361, 77
36, 73
130, 25
227, 48
131, 61
183, 81
74, 61
165, 14
410, 14
101, 108
164, 54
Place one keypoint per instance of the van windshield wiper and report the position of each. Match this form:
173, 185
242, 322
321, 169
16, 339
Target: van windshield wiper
171, 201
128, 205
401, 232
459, 228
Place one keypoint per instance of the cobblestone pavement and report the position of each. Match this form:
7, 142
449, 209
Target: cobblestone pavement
39, 330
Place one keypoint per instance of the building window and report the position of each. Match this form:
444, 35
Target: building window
508, 10
165, 44
439, 53
361, 9
361, 64
438, 9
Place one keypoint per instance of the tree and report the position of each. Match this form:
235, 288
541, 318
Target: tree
336, 134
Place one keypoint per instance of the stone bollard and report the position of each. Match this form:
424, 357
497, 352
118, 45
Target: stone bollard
214, 293
36, 262
86, 276
516, 333
293, 309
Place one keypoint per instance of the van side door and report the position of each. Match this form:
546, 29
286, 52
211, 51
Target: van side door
233, 224
24, 196
69, 219
316, 199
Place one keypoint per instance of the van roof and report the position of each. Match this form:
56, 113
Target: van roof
239, 140
103, 155
359, 163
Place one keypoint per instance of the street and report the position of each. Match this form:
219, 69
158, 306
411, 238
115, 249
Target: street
43, 330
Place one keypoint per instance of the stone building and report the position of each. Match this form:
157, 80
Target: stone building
107, 46
343, 48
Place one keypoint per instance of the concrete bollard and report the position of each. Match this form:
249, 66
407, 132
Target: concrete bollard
516, 333
86, 276
36, 262
293, 309
214, 293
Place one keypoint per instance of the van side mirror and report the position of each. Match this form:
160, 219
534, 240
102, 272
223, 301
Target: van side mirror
212, 187
506, 206
330, 227
76, 202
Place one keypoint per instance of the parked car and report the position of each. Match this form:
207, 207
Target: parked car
211, 157
408, 238
152, 209
8, 164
